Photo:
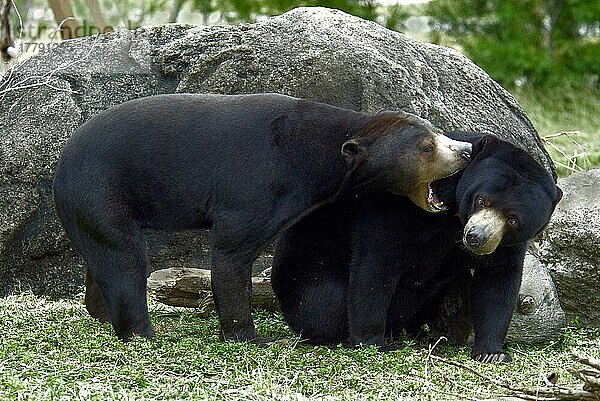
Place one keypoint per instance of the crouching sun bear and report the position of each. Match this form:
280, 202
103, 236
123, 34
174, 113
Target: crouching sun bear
375, 264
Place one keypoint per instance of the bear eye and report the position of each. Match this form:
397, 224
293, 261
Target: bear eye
513, 222
428, 148
480, 201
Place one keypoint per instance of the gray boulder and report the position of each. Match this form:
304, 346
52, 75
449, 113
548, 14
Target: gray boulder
538, 316
571, 247
314, 53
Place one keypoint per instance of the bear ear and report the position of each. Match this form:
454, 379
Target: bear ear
351, 149
559, 195
481, 144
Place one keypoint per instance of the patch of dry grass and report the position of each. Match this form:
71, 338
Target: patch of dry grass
54, 350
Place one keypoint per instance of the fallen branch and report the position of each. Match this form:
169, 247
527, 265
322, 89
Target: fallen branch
548, 392
192, 288
572, 164
590, 377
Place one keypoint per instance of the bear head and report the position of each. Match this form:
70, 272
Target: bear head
402, 153
504, 196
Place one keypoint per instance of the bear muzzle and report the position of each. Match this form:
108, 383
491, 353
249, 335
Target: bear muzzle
484, 231
452, 155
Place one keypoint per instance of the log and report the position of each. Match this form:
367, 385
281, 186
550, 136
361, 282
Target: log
591, 375
191, 288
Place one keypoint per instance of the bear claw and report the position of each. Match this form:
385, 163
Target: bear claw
496, 357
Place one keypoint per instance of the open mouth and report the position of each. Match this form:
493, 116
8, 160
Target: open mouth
433, 202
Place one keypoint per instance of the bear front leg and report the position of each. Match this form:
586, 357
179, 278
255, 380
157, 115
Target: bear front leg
231, 281
373, 280
493, 299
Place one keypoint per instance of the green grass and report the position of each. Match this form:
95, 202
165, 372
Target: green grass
566, 110
52, 350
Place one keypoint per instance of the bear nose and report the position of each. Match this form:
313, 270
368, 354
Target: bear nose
473, 240
465, 151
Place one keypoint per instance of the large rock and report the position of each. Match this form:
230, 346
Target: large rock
313, 53
571, 247
538, 315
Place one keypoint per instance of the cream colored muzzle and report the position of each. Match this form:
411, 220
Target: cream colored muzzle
452, 155
484, 231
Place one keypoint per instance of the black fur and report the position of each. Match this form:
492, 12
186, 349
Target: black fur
366, 266
245, 166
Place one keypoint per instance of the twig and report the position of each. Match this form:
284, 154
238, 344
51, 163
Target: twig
48, 76
426, 383
548, 393
571, 160
568, 134
589, 361
591, 377
563, 154
561, 133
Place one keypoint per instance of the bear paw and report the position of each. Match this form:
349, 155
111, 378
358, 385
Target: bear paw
495, 357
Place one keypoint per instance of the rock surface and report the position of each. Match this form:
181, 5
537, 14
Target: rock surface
538, 316
313, 53
571, 247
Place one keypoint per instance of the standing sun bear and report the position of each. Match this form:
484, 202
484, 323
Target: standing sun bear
374, 264
244, 166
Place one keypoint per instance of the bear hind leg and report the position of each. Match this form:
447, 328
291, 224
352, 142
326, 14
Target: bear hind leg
116, 276
94, 303
121, 277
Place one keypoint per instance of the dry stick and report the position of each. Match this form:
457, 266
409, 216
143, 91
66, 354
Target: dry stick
48, 77
426, 384
558, 393
572, 160
591, 377
589, 361
464, 388
568, 134
563, 154
427, 359
561, 133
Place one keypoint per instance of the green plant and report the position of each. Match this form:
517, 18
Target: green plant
541, 43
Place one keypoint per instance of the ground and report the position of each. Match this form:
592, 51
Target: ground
54, 350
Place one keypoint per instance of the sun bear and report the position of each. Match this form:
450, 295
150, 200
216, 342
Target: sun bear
366, 266
244, 166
